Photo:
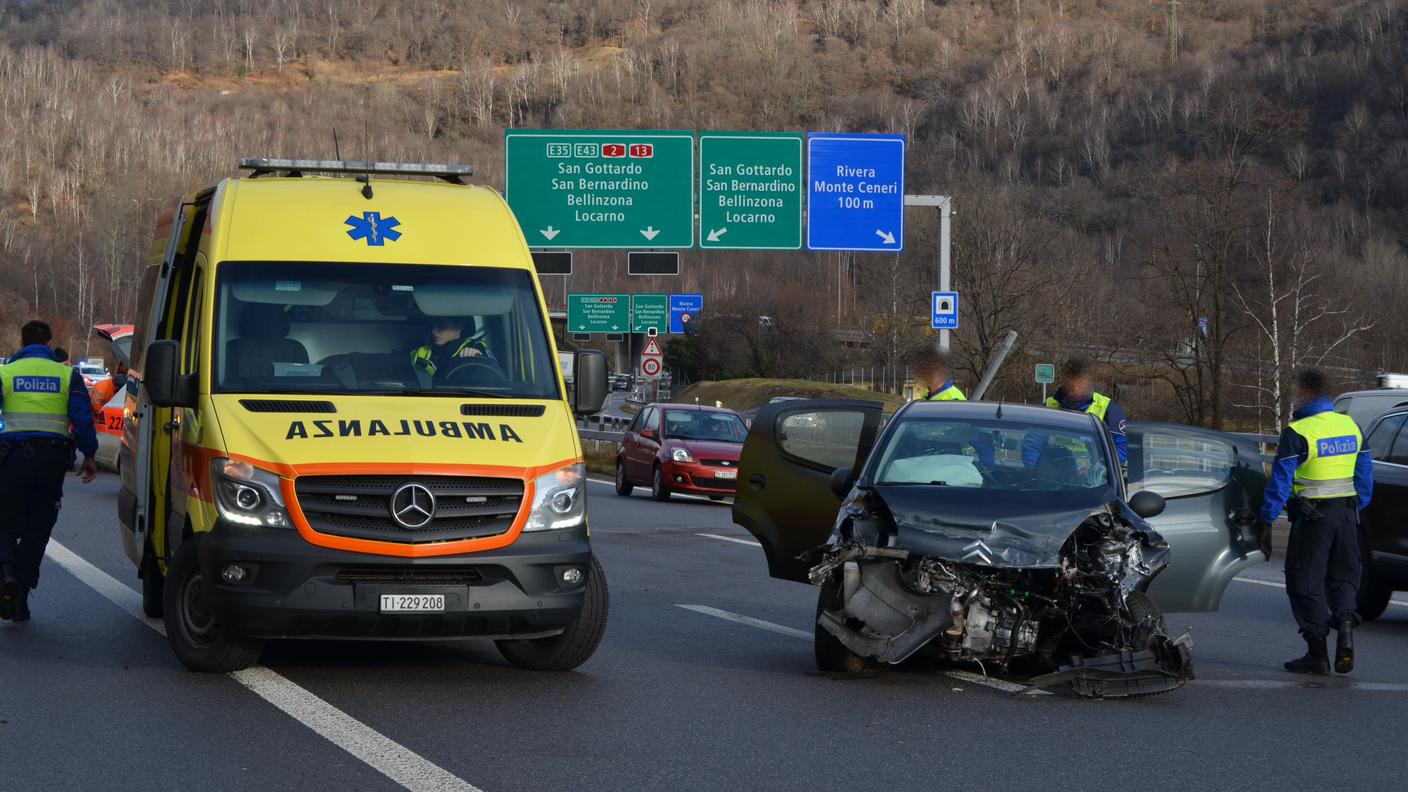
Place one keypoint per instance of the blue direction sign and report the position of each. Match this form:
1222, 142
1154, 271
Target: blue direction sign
945, 305
684, 310
855, 192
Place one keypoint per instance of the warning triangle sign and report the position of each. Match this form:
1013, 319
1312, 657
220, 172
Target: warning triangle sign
651, 348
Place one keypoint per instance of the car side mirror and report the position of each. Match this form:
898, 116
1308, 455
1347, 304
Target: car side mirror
842, 479
589, 382
161, 376
648, 434
1147, 504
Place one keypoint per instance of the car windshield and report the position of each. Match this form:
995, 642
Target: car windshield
289, 327
696, 425
995, 456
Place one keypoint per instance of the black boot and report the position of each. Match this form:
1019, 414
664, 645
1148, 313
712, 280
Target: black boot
22, 607
10, 590
1344, 647
1316, 660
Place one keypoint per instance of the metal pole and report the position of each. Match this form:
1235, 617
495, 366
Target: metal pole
944, 263
1003, 348
944, 204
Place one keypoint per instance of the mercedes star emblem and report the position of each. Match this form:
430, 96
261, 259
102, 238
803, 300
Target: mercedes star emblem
412, 506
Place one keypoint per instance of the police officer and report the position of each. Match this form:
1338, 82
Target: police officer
447, 341
1324, 477
932, 370
40, 399
1073, 392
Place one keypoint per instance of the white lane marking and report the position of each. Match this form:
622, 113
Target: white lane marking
730, 539
381, 753
748, 620
962, 676
103, 583
1280, 684
1400, 603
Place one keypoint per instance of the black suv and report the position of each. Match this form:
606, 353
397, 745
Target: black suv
1384, 524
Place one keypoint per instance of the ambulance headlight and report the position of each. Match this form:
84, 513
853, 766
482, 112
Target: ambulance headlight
559, 500
246, 495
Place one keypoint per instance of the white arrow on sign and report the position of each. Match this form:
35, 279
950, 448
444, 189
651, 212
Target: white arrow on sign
886, 236
549, 232
649, 232
715, 234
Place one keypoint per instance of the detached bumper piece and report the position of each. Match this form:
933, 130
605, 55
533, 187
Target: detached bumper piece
1164, 667
891, 623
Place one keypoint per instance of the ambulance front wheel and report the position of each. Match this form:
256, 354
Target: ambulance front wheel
576, 644
200, 642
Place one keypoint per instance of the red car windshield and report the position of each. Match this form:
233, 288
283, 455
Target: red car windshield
713, 426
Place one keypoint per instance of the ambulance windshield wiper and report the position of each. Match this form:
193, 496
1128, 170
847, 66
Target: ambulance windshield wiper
453, 392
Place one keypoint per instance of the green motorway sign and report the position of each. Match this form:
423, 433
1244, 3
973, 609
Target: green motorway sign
598, 313
750, 191
650, 311
1045, 373
598, 189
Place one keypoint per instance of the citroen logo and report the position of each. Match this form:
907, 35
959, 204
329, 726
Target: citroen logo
412, 506
979, 550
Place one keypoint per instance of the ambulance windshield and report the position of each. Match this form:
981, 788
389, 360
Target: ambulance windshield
292, 327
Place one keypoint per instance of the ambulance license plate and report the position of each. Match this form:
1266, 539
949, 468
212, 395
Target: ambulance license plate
726, 474
412, 603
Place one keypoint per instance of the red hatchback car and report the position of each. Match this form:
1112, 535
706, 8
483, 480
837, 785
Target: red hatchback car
681, 448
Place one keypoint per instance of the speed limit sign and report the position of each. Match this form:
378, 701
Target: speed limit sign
650, 366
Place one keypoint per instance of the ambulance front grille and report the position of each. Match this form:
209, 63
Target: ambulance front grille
359, 507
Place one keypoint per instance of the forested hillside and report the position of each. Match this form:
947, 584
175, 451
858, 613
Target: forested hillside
1202, 193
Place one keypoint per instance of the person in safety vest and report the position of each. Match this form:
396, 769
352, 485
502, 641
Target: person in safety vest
102, 392
935, 374
40, 399
447, 341
1073, 392
1323, 477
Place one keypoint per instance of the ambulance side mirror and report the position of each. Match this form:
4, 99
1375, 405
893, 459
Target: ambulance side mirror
589, 382
161, 376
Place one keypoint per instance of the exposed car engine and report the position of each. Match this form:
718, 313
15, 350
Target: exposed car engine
1087, 620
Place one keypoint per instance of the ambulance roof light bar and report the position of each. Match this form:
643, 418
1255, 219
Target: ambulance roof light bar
267, 166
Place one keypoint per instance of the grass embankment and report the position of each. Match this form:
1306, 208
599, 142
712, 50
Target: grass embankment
750, 394
600, 457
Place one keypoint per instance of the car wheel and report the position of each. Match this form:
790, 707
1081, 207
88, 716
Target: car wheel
576, 644
832, 656
623, 487
200, 642
1373, 596
153, 587
659, 490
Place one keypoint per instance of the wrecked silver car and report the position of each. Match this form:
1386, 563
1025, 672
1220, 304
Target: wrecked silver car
988, 534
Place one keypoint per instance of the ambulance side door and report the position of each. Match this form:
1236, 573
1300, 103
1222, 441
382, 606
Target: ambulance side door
153, 426
185, 422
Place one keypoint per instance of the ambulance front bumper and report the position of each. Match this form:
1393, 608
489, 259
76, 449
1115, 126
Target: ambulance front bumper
288, 588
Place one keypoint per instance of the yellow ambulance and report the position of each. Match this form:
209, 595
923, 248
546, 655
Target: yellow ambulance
347, 420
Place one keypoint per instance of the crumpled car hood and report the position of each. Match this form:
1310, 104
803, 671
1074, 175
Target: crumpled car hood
986, 536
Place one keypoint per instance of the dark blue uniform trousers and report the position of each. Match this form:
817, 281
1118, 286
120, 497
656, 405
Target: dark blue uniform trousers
31, 486
1323, 566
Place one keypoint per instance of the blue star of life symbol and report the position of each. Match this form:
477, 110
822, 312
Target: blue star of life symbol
374, 228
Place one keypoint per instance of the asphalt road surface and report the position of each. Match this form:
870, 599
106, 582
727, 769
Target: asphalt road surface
705, 680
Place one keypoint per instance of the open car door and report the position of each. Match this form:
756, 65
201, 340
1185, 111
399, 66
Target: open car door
784, 491
1212, 484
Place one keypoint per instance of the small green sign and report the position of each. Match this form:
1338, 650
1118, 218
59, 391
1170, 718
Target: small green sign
599, 189
1045, 373
650, 312
750, 191
598, 313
